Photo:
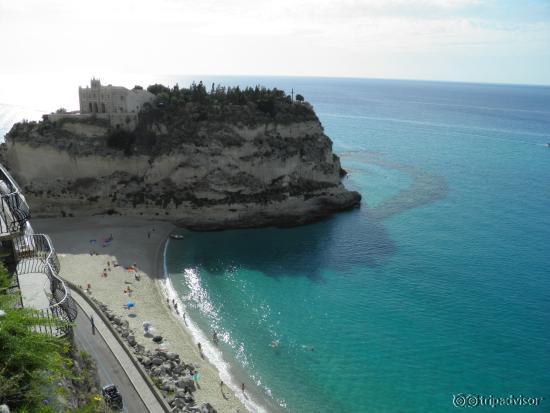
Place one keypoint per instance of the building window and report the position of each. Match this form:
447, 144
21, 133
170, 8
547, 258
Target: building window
90, 106
95, 107
103, 107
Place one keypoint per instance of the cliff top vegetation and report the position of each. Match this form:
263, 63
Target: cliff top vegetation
249, 106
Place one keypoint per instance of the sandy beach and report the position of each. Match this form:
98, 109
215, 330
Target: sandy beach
134, 242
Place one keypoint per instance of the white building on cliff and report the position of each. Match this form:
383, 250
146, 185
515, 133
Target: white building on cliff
116, 104
119, 104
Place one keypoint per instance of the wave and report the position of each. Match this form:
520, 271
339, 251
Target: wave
211, 352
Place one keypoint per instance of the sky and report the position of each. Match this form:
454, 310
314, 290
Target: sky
496, 41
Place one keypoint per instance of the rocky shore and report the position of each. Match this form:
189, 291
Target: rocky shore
176, 379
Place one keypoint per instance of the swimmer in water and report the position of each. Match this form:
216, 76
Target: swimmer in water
275, 343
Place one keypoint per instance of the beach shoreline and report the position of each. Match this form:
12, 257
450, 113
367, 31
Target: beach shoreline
90, 247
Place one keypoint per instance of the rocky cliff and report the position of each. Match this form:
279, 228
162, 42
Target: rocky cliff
205, 163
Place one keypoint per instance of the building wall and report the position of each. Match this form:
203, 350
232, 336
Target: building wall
103, 99
121, 104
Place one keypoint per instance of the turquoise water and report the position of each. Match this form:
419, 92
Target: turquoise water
438, 285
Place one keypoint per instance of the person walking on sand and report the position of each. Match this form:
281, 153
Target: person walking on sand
199, 346
93, 324
215, 338
242, 387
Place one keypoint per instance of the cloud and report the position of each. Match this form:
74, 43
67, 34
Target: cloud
323, 37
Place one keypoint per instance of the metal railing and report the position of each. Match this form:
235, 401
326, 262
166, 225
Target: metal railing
35, 254
14, 210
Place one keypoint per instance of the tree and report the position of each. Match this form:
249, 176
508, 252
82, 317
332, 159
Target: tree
61, 110
299, 98
29, 360
157, 88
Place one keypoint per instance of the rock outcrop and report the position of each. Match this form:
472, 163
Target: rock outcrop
203, 166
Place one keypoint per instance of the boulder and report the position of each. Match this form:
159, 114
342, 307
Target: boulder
157, 339
169, 386
146, 361
166, 367
131, 340
179, 403
180, 394
186, 383
172, 356
179, 369
157, 361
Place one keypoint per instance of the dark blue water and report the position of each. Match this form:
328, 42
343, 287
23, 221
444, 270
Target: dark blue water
438, 285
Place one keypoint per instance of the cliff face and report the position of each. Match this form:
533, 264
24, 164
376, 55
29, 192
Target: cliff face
202, 174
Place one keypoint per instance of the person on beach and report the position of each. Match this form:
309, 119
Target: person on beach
215, 338
200, 347
242, 387
148, 234
109, 265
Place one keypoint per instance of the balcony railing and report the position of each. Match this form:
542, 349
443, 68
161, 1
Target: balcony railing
35, 255
14, 210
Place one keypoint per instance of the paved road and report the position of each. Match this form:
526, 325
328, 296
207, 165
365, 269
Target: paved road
108, 367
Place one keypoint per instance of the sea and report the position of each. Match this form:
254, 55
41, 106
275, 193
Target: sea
433, 296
